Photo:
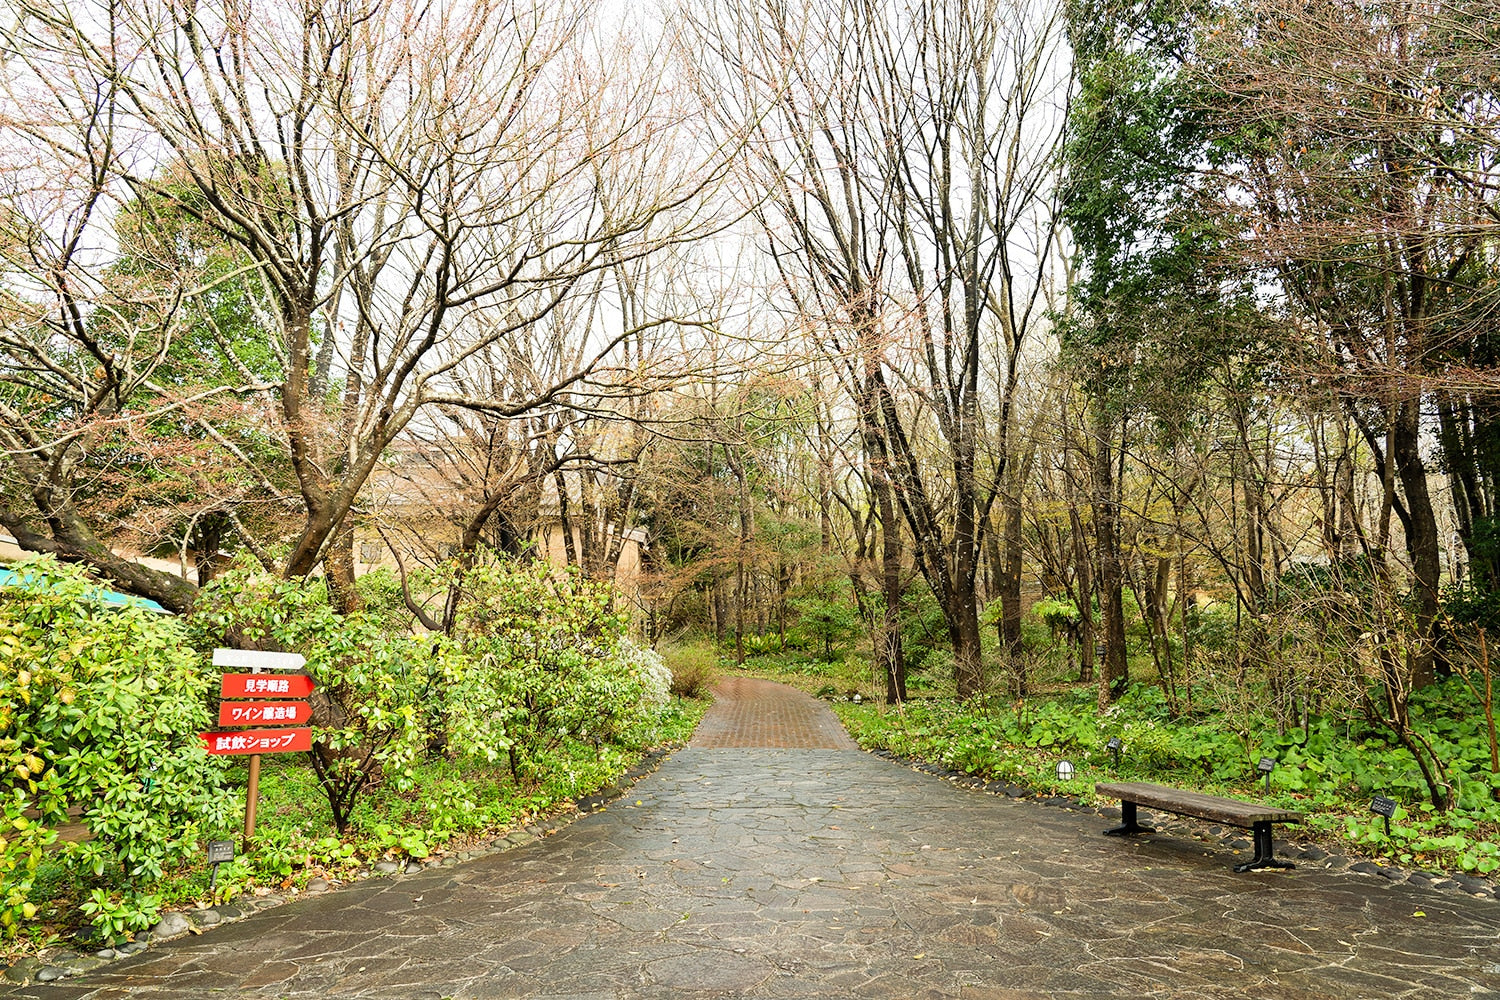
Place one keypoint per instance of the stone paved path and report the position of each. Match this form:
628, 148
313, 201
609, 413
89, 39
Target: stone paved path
752, 871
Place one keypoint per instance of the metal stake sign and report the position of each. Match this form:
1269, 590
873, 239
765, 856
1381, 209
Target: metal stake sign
1384, 808
219, 851
254, 742
1266, 766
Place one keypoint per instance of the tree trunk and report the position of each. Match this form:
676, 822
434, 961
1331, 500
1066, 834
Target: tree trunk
1083, 564
1421, 539
1010, 593
1086, 663
338, 565
1010, 576
891, 655
564, 516
73, 541
1114, 672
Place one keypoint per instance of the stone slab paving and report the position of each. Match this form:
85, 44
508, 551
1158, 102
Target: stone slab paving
745, 871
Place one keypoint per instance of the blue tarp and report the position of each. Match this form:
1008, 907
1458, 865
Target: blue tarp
105, 596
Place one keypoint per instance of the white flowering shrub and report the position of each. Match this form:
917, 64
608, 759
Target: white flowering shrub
654, 674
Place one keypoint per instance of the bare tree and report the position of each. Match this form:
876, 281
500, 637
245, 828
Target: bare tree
792, 79
904, 153
1369, 194
409, 186
975, 106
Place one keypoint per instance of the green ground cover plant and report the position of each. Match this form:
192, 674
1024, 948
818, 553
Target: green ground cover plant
1329, 769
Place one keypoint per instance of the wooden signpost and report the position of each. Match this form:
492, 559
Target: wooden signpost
288, 710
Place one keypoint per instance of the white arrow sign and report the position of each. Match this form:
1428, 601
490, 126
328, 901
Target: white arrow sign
256, 660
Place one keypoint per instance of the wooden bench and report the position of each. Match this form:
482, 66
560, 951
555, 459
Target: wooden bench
1210, 807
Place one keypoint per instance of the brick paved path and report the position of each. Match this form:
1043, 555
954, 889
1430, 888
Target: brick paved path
755, 713
780, 872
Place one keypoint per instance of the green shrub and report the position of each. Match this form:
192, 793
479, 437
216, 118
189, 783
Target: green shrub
923, 631
760, 645
655, 677
543, 660
693, 668
1060, 617
827, 616
100, 711
1473, 605
374, 687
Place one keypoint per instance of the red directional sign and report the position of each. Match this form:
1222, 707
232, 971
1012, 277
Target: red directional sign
260, 685
263, 713
253, 741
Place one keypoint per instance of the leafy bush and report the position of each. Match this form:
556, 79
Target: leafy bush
544, 661
537, 659
371, 682
923, 631
1060, 617
1212, 628
693, 668
1473, 605
771, 642
826, 615
647, 664
99, 715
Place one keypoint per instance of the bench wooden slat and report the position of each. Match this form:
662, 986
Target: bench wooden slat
1188, 803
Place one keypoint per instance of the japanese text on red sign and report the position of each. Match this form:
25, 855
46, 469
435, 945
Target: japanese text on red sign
253, 685
230, 742
259, 713
258, 741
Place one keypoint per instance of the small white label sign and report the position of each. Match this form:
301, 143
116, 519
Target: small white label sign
254, 659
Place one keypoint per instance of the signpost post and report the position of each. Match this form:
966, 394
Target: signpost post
289, 710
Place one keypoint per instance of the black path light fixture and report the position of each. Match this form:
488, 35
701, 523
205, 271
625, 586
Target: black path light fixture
1114, 746
1385, 808
1266, 766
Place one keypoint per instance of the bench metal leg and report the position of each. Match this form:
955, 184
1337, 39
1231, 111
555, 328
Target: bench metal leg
1264, 851
1129, 825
